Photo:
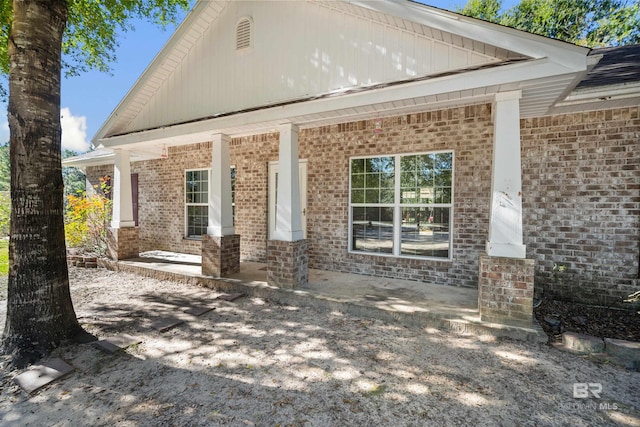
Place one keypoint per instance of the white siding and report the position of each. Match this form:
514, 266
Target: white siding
299, 49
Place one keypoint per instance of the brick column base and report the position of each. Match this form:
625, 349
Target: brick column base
220, 255
122, 243
287, 263
505, 290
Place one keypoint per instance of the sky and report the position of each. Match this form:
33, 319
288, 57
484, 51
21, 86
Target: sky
88, 100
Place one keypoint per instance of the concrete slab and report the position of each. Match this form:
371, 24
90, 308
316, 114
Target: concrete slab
106, 346
40, 375
582, 343
198, 310
230, 297
164, 324
120, 342
394, 300
626, 350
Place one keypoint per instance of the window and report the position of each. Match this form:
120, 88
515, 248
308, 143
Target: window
243, 33
197, 201
233, 193
401, 205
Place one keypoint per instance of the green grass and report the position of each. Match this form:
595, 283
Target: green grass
4, 267
4, 257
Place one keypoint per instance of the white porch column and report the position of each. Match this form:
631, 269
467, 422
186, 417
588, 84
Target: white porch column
505, 223
220, 203
288, 215
122, 215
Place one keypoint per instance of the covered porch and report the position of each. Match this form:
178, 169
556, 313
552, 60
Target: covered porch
466, 105
406, 302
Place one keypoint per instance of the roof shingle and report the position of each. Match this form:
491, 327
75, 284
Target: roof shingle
619, 65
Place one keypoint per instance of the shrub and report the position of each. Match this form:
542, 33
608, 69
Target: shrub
5, 213
86, 221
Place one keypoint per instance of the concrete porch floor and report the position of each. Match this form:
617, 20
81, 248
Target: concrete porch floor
414, 303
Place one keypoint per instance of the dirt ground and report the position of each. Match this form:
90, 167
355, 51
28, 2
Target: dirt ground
556, 317
254, 363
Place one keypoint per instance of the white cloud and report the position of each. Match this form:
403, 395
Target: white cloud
4, 132
74, 131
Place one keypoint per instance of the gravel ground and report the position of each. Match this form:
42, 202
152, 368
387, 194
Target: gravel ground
254, 363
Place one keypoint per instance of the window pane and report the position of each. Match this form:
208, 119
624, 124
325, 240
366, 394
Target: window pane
357, 166
372, 196
387, 195
443, 160
233, 194
378, 173
372, 229
407, 179
409, 195
357, 196
443, 195
425, 177
442, 178
387, 180
197, 187
426, 195
372, 180
421, 173
379, 164
357, 180
425, 232
197, 218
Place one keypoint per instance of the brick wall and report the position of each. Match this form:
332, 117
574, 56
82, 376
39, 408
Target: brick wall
581, 181
122, 243
505, 292
468, 131
580, 187
287, 263
251, 156
93, 175
220, 255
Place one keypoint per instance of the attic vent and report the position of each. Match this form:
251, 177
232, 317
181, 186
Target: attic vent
243, 33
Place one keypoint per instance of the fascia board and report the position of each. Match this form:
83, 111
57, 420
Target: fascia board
620, 91
532, 45
512, 74
81, 162
108, 158
182, 29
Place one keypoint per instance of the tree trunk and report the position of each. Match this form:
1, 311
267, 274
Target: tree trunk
40, 313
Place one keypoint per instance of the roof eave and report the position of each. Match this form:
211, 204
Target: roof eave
509, 77
180, 32
532, 45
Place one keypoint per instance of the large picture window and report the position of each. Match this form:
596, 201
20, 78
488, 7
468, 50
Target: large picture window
401, 205
197, 201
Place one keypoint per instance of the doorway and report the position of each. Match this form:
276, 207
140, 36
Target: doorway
273, 189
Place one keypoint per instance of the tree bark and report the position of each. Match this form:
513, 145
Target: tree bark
40, 312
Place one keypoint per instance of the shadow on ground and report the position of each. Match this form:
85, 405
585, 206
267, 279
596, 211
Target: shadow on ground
252, 362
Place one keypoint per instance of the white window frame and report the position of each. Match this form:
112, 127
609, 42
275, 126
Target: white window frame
187, 205
397, 208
